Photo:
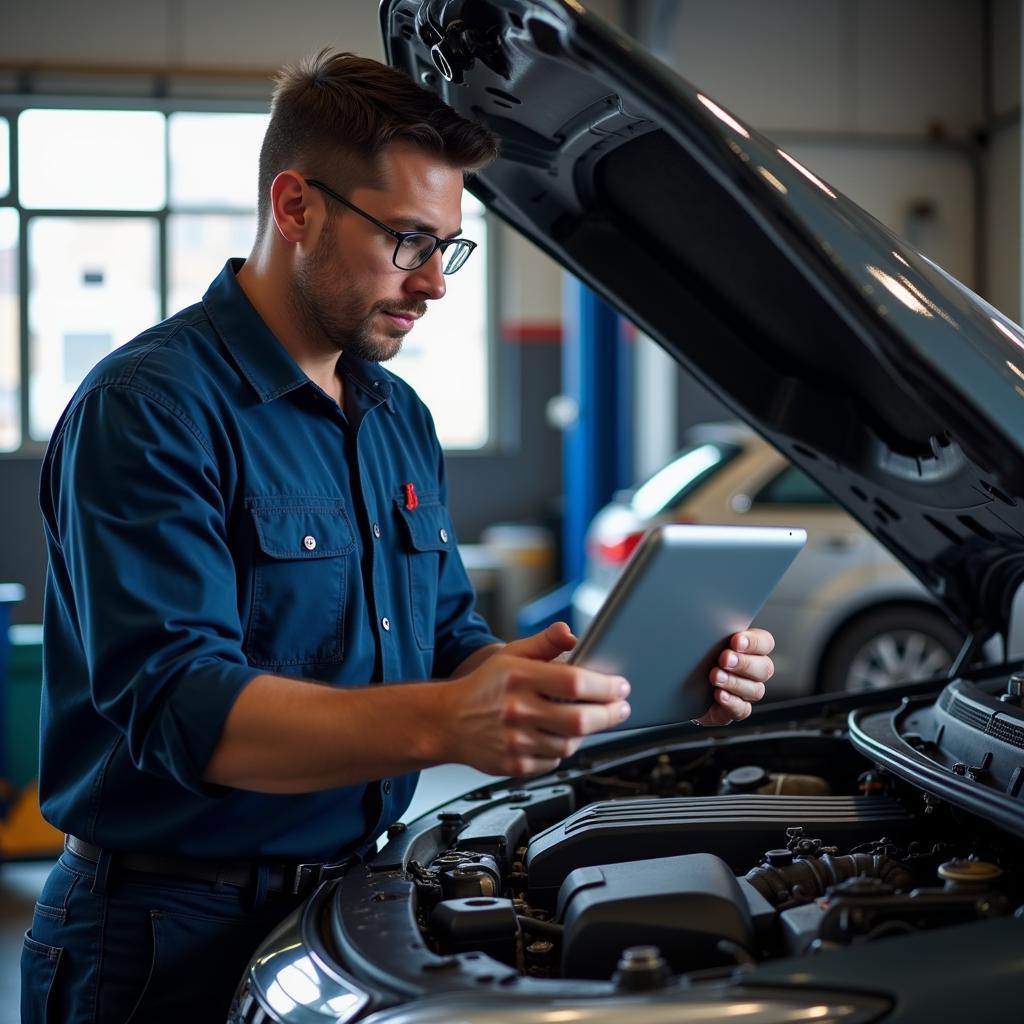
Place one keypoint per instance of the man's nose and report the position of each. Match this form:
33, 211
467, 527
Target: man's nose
428, 280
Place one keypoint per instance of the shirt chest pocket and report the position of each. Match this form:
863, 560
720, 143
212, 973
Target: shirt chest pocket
299, 581
428, 534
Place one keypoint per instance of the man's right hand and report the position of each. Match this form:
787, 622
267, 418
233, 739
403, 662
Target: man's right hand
518, 716
513, 711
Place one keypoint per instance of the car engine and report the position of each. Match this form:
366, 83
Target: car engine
757, 860
723, 850
715, 862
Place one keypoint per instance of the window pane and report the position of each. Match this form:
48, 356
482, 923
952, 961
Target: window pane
94, 286
10, 422
91, 159
446, 355
215, 158
5, 156
792, 487
199, 245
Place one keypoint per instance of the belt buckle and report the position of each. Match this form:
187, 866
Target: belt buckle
305, 873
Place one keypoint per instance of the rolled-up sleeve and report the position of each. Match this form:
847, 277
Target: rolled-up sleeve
134, 500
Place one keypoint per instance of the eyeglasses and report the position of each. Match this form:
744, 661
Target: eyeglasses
413, 248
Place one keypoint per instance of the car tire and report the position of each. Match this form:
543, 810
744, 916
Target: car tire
888, 646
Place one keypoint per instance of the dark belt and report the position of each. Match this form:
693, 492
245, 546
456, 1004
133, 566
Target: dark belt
291, 878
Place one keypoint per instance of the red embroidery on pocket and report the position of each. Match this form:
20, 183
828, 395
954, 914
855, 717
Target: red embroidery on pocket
411, 498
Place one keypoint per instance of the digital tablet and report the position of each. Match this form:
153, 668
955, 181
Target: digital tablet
683, 593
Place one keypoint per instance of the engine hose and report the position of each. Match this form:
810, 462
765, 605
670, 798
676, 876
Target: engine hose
546, 929
807, 878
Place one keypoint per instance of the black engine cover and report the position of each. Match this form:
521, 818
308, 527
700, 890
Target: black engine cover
683, 905
738, 828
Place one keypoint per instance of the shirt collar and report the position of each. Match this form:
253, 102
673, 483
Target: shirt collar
263, 360
371, 378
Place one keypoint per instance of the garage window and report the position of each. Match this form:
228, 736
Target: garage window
123, 216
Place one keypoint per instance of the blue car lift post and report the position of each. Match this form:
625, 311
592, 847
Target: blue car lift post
597, 449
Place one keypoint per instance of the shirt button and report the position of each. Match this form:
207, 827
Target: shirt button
444, 536
386, 786
376, 529
386, 623
309, 542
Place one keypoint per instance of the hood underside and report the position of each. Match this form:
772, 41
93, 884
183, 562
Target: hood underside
888, 382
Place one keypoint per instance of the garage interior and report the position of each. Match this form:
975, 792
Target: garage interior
912, 110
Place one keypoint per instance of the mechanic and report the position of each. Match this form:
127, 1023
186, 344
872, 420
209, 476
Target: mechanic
257, 625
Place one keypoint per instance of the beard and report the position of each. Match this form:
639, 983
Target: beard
339, 318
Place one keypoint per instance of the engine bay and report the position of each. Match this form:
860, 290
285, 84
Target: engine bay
720, 853
773, 863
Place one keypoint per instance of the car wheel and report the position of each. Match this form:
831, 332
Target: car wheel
893, 645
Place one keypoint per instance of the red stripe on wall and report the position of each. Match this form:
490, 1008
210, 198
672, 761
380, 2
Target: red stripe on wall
549, 333
532, 333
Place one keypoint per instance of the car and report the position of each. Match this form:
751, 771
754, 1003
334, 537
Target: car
846, 616
841, 857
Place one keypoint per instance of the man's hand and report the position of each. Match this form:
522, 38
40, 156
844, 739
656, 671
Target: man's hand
519, 713
552, 643
743, 669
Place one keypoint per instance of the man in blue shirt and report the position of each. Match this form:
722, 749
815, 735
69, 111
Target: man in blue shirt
254, 578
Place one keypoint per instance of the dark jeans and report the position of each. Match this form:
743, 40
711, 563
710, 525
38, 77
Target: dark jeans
144, 948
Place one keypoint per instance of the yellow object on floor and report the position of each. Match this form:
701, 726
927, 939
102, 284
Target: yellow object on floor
24, 835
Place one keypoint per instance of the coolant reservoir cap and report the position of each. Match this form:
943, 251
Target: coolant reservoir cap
746, 779
969, 871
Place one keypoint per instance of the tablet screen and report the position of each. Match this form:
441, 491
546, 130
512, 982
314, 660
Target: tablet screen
683, 593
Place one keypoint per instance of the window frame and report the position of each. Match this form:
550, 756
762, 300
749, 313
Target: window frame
501, 435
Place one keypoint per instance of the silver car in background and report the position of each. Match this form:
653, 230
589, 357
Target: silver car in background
847, 615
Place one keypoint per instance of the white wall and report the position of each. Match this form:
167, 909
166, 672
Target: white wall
531, 283
834, 65
185, 33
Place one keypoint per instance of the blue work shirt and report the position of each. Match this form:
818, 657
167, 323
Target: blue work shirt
212, 515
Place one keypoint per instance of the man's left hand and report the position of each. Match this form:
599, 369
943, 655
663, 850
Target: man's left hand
738, 679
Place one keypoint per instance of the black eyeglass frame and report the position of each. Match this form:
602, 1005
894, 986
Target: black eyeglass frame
401, 236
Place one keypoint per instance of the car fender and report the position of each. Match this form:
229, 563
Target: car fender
830, 609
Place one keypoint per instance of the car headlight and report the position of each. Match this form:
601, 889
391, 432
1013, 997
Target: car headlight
681, 1006
288, 982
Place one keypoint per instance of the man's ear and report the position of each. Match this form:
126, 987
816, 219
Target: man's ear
288, 206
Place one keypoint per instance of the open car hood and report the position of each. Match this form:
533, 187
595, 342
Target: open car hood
891, 384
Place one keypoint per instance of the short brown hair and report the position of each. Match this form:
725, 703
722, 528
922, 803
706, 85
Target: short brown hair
334, 112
